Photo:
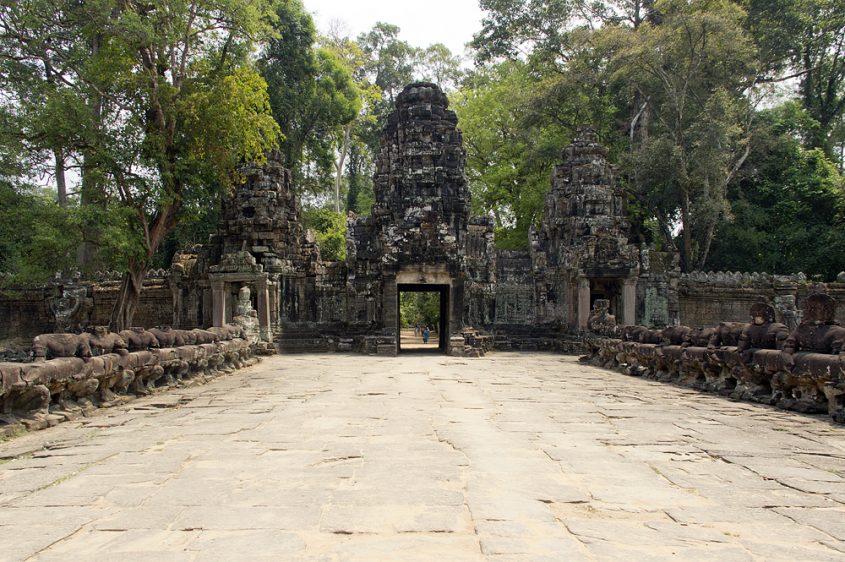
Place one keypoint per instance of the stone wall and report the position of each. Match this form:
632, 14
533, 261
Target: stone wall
24, 313
155, 307
709, 298
420, 236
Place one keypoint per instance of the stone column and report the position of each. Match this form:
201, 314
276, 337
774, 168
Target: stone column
568, 293
274, 303
629, 301
263, 298
173, 282
218, 317
583, 302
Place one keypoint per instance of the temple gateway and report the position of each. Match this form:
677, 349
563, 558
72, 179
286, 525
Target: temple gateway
420, 236
580, 286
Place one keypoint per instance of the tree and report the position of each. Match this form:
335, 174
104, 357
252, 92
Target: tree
420, 309
542, 29
822, 59
788, 205
694, 69
330, 228
517, 117
391, 61
39, 241
509, 149
437, 64
355, 60
805, 39
312, 95
40, 53
164, 101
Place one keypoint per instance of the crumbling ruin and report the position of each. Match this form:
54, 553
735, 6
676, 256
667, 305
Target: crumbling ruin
420, 236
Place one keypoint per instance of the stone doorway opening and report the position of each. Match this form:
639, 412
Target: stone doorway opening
608, 289
422, 305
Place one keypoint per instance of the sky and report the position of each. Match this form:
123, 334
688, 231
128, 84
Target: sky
451, 22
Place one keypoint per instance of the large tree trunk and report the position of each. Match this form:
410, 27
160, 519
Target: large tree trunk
705, 246
352, 171
90, 190
341, 159
133, 280
128, 297
58, 155
686, 224
61, 182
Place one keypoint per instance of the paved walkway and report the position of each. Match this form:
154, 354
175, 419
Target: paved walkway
510, 457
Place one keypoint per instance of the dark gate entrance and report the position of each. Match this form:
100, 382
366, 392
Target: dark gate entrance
443, 321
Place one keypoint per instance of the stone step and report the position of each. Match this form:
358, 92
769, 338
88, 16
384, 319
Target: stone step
302, 345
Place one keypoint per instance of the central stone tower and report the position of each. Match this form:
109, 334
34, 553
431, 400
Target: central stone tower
422, 198
416, 235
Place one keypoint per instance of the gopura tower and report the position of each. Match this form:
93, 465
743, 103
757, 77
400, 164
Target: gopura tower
416, 234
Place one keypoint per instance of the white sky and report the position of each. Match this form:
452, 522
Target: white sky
451, 22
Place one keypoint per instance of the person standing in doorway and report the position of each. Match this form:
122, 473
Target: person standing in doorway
425, 334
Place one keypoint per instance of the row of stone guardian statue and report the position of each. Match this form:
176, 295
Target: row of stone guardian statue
760, 361
72, 373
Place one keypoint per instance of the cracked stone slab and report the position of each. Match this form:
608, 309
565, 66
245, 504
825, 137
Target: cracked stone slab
507, 457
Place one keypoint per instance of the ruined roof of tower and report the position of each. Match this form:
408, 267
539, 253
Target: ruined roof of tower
585, 142
422, 92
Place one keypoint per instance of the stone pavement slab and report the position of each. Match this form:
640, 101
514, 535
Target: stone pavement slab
424, 457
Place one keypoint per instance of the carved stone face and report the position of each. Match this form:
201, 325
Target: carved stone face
601, 306
819, 309
762, 313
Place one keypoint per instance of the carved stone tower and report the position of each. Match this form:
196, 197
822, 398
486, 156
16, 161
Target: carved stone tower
415, 239
582, 246
422, 198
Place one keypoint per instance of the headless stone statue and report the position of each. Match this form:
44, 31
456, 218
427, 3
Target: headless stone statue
791, 315
244, 302
245, 315
601, 321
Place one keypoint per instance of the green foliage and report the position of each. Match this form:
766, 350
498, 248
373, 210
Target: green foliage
391, 61
692, 70
509, 149
157, 102
806, 38
312, 94
37, 237
330, 228
516, 118
788, 206
546, 30
419, 309
198, 224
359, 194
437, 64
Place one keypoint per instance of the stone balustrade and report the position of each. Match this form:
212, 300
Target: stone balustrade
802, 370
68, 378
